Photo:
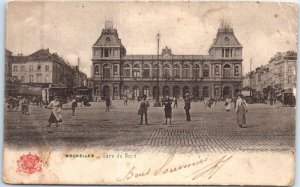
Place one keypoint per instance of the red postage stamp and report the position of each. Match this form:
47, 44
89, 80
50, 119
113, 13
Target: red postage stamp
29, 163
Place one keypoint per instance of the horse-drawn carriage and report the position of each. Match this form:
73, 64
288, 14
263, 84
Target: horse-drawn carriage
286, 98
12, 103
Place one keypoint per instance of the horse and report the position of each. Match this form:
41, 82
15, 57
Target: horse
13, 103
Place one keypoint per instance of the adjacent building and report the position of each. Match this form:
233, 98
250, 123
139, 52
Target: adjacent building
116, 73
279, 75
46, 70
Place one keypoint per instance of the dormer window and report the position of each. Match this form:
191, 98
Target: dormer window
226, 41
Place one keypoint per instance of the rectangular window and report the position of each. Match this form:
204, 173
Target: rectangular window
206, 73
176, 73
96, 90
22, 68
290, 81
105, 52
217, 70
15, 68
217, 91
46, 68
47, 79
136, 73
226, 52
22, 79
223, 52
31, 68
39, 78
31, 78
146, 72
115, 70
126, 72
115, 91
39, 67
289, 68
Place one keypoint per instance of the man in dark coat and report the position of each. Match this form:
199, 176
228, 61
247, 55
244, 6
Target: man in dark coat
143, 109
168, 109
107, 103
187, 106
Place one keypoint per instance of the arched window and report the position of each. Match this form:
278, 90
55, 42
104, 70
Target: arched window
166, 71
205, 92
176, 71
136, 91
126, 70
236, 70
146, 70
96, 70
217, 70
205, 70
166, 91
146, 91
155, 70
196, 71
186, 71
126, 91
226, 71
106, 70
136, 70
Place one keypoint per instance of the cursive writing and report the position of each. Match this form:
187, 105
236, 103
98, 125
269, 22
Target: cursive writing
211, 168
168, 167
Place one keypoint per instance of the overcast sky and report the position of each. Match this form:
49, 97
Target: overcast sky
71, 28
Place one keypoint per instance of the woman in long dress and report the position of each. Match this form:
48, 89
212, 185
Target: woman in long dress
168, 109
55, 116
241, 109
228, 104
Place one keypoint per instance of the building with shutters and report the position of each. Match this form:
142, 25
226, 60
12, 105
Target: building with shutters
116, 73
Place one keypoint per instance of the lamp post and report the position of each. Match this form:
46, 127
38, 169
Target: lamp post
157, 103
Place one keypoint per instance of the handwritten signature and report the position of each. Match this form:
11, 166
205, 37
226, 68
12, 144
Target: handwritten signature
203, 165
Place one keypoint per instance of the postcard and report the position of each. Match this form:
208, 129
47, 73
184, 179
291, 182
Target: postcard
150, 93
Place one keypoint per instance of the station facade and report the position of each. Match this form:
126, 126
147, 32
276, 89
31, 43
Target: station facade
217, 75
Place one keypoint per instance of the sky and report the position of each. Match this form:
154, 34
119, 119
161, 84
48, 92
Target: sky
71, 28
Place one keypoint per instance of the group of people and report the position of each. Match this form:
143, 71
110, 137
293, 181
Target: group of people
240, 107
167, 104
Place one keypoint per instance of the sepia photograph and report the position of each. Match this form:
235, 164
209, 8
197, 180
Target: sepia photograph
150, 93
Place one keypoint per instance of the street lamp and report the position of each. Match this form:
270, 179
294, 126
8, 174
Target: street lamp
157, 103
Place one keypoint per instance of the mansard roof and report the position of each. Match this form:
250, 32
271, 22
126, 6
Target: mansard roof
225, 38
108, 37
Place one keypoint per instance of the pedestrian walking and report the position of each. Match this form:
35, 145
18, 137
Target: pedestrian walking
241, 110
24, 105
125, 100
107, 103
142, 111
187, 106
73, 105
175, 103
168, 109
228, 104
55, 116
133, 97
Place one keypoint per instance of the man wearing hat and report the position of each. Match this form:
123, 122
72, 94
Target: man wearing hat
187, 106
143, 109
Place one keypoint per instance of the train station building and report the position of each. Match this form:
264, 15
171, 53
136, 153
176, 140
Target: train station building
116, 73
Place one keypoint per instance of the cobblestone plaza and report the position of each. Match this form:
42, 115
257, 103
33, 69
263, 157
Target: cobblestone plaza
269, 128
